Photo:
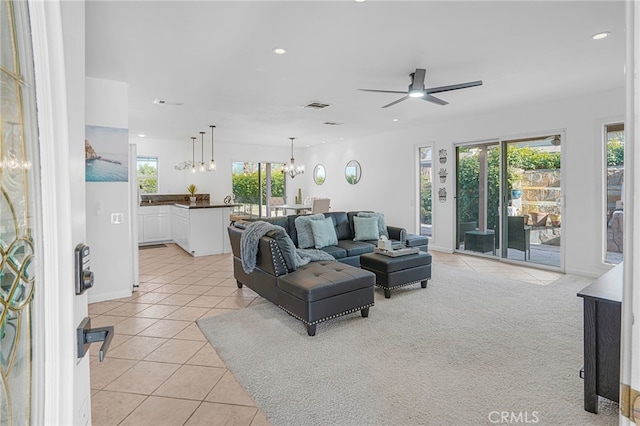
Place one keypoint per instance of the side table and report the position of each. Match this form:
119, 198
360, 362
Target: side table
480, 241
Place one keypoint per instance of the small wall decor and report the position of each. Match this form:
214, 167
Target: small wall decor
227, 199
352, 172
319, 174
442, 194
443, 175
443, 156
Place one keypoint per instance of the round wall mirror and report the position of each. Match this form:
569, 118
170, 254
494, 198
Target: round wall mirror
319, 174
352, 172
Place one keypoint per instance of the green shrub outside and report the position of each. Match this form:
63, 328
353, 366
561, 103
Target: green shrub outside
519, 159
245, 187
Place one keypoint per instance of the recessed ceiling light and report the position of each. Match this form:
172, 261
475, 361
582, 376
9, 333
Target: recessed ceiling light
142, 135
600, 36
395, 119
323, 142
279, 51
360, 1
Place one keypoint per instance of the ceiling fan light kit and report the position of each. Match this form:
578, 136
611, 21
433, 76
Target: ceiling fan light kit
417, 89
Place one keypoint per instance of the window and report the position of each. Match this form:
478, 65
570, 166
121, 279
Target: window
425, 185
148, 174
614, 201
258, 187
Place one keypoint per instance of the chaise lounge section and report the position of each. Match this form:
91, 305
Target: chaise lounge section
312, 293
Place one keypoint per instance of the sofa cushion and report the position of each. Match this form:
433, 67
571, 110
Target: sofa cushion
365, 228
356, 248
343, 228
324, 234
382, 224
335, 251
303, 229
287, 248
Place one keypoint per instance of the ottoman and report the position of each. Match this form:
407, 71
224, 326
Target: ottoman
323, 290
392, 272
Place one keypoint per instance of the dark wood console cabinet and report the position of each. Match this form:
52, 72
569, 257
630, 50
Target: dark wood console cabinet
602, 302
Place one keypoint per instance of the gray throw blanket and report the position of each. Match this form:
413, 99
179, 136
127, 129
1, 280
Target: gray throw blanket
293, 257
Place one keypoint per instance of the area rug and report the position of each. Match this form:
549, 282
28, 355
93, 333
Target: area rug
471, 349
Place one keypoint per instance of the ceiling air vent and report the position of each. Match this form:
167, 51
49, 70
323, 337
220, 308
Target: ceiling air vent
165, 102
332, 123
315, 105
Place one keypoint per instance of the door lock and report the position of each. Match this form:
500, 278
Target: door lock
83, 272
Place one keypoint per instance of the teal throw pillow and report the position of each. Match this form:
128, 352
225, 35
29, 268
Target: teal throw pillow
366, 228
324, 234
303, 229
382, 225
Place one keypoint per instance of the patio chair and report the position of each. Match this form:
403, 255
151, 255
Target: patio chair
518, 235
320, 205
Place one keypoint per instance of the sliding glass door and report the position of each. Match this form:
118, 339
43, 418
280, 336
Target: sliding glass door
257, 187
533, 195
478, 197
509, 199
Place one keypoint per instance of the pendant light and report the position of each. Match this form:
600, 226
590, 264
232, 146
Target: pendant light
198, 166
201, 164
291, 169
193, 153
212, 163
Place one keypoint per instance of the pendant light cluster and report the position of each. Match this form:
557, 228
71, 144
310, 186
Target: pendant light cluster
291, 169
199, 166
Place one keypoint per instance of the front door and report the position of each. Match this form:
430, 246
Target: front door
41, 159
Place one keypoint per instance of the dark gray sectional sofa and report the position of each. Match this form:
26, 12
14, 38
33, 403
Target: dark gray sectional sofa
347, 250
320, 290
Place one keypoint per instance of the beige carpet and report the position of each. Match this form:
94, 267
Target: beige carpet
465, 350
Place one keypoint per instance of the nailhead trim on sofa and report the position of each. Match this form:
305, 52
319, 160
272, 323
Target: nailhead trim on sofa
305, 322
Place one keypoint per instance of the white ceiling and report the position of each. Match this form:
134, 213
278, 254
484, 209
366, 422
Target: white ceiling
216, 57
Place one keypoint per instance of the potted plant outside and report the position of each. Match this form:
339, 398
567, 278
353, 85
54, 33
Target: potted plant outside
192, 190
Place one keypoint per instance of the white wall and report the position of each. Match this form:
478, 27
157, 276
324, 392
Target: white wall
216, 183
389, 178
111, 244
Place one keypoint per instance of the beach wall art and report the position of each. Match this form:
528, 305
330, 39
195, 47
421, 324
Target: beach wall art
106, 151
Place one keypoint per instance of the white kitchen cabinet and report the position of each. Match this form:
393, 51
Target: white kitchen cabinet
154, 224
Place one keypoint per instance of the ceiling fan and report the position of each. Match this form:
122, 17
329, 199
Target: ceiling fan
417, 90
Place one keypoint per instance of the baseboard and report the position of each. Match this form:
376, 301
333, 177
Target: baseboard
442, 249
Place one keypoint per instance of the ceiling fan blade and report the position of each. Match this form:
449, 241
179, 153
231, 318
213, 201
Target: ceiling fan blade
454, 87
383, 91
418, 77
434, 100
404, 98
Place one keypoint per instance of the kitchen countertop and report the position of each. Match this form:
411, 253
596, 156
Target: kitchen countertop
204, 205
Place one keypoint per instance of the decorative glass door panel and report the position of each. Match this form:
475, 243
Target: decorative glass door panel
18, 139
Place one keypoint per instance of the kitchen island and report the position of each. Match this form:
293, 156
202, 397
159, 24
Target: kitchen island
200, 228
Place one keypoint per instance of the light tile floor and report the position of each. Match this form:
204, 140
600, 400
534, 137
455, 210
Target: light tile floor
160, 369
